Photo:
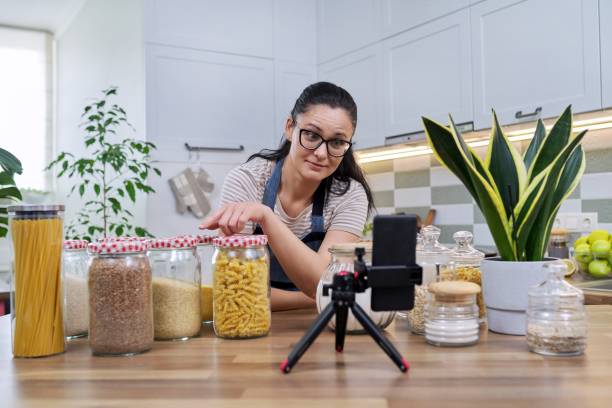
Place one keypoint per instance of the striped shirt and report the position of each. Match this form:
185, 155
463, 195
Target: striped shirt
347, 212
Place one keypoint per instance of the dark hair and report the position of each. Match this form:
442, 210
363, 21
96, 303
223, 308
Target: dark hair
325, 93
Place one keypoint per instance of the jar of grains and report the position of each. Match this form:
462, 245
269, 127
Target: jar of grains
433, 257
120, 298
556, 317
75, 263
205, 252
465, 265
451, 315
175, 266
241, 286
343, 260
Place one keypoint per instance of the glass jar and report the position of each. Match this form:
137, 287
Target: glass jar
558, 243
343, 258
36, 238
556, 317
75, 265
433, 257
451, 315
205, 252
120, 298
241, 286
175, 266
465, 265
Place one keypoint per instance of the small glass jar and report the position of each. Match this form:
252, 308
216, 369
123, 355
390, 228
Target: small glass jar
175, 266
558, 243
465, 265
343, 258
120, 298
241, 286
451, 315
75, 264
433, 257
556, 316
206, 251
36, 238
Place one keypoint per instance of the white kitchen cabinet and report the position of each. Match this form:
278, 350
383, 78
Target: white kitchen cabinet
243, 27
208, 99
345, 26
400, 15
295, 32
290, 80
605, 19
360, 74
534, 55
427, 72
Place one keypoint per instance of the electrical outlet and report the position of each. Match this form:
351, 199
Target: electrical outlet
576, 222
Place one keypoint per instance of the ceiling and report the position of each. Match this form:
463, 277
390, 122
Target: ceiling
47, 15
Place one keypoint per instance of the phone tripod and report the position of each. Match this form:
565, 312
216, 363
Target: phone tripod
344, 286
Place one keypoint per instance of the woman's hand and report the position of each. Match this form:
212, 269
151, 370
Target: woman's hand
232, 217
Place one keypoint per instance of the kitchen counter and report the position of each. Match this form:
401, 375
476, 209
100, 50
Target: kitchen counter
204, 372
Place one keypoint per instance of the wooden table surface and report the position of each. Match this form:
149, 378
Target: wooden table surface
207, 372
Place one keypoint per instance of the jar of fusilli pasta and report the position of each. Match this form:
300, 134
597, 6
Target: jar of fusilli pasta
241, 286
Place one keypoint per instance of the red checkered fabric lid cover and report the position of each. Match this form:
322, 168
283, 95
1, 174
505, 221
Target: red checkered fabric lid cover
244, 241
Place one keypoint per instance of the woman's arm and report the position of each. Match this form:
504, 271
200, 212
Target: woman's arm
290, 300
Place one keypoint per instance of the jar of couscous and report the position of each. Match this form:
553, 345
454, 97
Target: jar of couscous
241, 286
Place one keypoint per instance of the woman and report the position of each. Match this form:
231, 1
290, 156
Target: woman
306, 196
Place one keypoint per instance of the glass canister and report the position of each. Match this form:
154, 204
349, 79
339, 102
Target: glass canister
558, 244
241, 286
433, 257
36, 238
451, 315
465, 265
120, 298
175, 266
206, 250
75, 264
343, 257
556, 316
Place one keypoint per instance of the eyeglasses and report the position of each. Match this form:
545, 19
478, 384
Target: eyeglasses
335, 147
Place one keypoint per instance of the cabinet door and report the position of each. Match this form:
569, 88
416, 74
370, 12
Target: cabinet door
359, 73
235, 26
534, 55
400, 15
208, 99
295, 31
290, 80
605, 9
346, 25
427, 73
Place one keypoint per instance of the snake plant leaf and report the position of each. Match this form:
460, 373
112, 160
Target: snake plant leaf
536, 142
553, 143
506, 166
448, 148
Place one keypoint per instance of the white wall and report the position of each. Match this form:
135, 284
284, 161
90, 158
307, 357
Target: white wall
102, 46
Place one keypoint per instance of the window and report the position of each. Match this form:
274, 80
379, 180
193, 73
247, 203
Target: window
26, 102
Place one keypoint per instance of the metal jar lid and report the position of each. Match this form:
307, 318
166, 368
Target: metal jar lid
35, 208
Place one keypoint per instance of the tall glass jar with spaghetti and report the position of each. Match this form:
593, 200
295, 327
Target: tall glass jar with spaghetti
241, 286
36, 238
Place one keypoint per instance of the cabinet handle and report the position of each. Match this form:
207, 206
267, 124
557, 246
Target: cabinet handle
214, 149
521, 115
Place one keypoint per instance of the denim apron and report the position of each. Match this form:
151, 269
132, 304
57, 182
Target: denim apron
278, 278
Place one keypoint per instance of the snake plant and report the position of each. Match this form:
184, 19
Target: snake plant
518, 196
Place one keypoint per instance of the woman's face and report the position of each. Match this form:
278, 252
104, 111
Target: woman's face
326, 122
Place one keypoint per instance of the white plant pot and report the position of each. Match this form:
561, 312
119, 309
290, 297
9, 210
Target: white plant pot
504, 287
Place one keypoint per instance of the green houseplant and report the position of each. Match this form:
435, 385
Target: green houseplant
9, 166
111, 172
519, 197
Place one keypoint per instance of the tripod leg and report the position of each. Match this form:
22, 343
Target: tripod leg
341, 318
315, 329
382, 341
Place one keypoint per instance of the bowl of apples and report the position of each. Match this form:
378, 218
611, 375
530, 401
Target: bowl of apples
594, 254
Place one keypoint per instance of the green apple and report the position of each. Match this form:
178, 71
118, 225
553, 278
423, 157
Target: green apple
601, 249
599, 268
584, 267
596, 235
582, 253
582, 240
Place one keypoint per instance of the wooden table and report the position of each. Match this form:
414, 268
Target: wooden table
207, 372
